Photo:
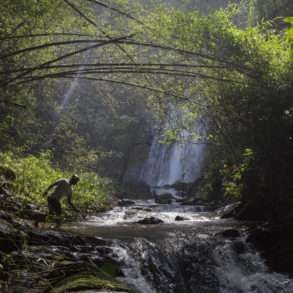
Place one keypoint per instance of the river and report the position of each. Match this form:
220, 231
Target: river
194, 255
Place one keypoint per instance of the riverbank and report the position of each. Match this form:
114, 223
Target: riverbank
46, 260
49, 260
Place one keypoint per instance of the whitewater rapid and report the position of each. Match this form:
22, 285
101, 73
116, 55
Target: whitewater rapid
189, 256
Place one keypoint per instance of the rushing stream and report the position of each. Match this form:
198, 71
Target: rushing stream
190, 255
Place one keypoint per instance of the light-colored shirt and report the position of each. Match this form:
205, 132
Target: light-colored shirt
62, 189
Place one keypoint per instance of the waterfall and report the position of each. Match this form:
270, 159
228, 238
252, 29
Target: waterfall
168, 164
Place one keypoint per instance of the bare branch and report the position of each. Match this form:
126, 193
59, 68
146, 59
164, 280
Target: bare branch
48, 45
80, 13
119, 65
11, 37
132, 71
64, 57
190, 53
14, 104
101, 30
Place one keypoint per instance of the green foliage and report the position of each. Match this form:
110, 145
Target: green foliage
289, 31
85, 132
93, 191
269, 10
170, 136
236, 77
35, 174
233, 175
242, 85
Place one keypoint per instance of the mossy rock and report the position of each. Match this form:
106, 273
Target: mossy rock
110, 269
88, 282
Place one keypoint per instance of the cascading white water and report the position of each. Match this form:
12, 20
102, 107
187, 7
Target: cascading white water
200, 265
190, 256
168, 164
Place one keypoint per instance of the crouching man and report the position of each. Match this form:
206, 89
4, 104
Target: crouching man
62, 188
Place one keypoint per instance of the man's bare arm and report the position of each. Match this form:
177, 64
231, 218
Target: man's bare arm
70, 203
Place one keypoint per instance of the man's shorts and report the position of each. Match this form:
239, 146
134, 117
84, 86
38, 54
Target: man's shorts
54, 206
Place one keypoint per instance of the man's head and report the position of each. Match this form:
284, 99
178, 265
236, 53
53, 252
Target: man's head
74, 179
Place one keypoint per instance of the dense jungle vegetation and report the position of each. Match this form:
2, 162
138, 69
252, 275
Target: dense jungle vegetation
87, 87
82, 83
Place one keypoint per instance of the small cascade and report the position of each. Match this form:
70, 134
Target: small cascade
239, 268
199, 264
132, 271
194, 255
121, 215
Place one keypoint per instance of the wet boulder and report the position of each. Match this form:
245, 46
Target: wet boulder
54, 237
239, 247
126, 202
33, 212
130, 214
165, 198
10, 238
144, 209
275, 243
180, 218
229, 211
63, 269
164, 195
230, 233
150, 221
190, 201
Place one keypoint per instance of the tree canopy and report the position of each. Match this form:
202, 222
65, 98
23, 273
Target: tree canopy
93, 76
